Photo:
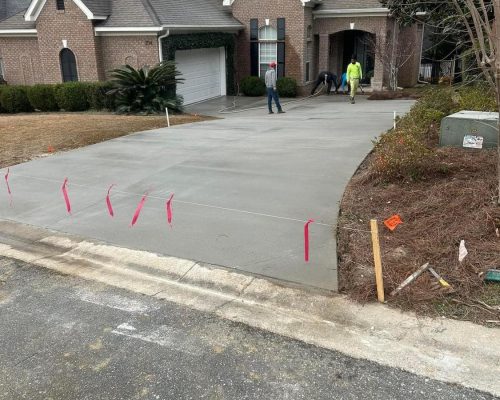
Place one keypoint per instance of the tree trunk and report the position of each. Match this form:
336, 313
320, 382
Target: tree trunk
495, 41
497, 81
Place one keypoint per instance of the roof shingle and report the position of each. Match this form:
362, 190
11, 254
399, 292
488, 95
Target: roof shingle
348, 4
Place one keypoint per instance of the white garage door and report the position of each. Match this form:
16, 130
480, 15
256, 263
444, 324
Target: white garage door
204, 73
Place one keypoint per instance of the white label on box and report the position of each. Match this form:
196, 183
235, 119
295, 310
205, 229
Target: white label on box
473, 142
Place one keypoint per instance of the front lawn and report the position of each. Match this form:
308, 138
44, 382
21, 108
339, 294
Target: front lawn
27, 136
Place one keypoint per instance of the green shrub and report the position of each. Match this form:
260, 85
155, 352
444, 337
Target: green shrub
287, 87
146, 90
14, 99
72, 96
439, 99
42, 97
401, 155
479, 97
252, 86
98, 97
2, 110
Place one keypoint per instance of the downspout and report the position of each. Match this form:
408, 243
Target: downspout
160, 47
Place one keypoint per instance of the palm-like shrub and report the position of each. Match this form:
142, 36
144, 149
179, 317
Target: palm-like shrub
146, 90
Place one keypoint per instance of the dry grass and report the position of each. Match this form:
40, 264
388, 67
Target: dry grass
26, 136
437, 213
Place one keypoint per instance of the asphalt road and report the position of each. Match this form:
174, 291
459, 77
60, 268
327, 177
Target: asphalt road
65, 338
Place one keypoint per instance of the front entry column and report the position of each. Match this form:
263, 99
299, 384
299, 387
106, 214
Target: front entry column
378, 72
324, 52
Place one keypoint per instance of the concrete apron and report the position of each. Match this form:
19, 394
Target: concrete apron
451, 351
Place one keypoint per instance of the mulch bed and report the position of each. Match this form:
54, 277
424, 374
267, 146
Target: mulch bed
437, 214
397, 95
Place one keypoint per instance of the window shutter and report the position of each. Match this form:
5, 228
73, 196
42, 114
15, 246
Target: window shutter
254, 47
254, 58
254, 29
281, 29
281, 47
281, 59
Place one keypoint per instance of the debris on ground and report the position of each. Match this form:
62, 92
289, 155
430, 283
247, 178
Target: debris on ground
462, 251
438, 212
393, 222
492, 275
410, 279
441, 281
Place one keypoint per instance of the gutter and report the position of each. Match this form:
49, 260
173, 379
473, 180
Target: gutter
160, 48
18, 32
351, 12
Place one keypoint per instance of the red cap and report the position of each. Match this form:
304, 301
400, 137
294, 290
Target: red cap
272, 64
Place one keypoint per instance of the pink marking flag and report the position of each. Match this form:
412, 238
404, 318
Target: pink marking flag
108, 202
8, 186
306, 239
138, 210
169, 210
65, 195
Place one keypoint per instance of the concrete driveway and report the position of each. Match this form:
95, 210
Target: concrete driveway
244, 186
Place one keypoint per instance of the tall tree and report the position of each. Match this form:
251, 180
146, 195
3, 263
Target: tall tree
476, 20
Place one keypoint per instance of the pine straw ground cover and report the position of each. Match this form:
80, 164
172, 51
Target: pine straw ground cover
443, 195
26, 136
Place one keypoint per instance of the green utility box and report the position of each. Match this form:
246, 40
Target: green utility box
470, 129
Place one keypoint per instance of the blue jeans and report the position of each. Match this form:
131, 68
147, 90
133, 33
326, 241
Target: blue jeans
273, 94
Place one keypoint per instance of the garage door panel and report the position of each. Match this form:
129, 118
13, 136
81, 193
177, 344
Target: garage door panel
203, 71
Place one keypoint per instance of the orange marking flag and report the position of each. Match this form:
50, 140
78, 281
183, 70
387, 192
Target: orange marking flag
393, 222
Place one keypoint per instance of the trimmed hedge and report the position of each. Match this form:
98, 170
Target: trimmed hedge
42, 97
287, 87
98, 97
14, 99
253, 86
72, 96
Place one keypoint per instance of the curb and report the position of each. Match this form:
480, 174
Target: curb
452, 351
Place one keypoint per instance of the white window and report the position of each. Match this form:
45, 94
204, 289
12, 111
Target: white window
268, 48
308, 61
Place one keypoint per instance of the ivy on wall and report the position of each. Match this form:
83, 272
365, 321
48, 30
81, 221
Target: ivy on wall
203, 40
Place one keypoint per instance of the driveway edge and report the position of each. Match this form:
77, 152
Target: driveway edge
452, 351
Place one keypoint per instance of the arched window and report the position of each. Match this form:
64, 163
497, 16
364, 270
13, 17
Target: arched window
68, 66
268, 47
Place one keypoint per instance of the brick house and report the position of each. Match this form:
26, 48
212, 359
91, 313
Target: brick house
214, 42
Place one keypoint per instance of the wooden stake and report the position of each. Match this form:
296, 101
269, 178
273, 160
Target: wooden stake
378, 261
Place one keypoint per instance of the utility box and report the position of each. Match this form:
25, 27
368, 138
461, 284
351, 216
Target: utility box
470, 129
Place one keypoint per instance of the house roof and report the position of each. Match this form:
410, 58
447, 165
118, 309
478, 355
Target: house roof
16, 22
170, 13
188, 12
199, 14
9, 8
129, 13
349, 5
99, 7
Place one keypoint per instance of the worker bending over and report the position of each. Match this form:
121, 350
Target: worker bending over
328, 79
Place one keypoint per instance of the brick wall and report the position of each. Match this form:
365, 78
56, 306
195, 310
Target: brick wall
326, 27
295, 39
136, 51
21, 60
72, 25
